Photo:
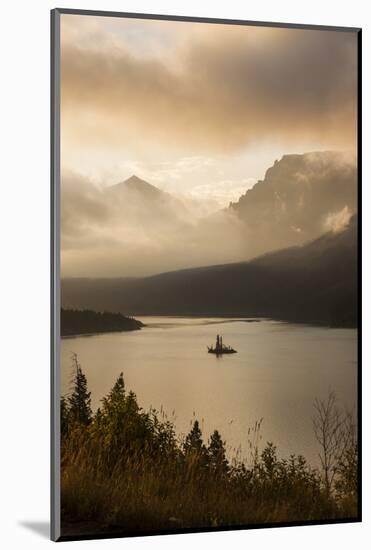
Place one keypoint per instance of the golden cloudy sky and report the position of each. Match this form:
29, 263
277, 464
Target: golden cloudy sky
198, 108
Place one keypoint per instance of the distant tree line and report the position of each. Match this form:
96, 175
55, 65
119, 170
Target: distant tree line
124, 469
86, 321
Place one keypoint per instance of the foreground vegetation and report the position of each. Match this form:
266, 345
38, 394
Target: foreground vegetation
86, 321
124, 469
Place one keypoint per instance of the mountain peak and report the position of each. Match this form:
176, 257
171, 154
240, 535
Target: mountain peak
136, 184
134, 179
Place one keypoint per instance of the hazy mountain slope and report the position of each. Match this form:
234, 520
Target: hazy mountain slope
314, 283
136, 185
300, 198
135, 229
140, 202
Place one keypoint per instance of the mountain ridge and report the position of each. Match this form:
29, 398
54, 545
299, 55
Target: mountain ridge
299, 284
300, 197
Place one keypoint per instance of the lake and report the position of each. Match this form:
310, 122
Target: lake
279, 370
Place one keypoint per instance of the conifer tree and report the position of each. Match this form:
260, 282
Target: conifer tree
79, 402
216, 454
132, 406
124, 427
114, 402
194, 438
64, 415
194, 447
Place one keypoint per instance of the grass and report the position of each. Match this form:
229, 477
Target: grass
124, 469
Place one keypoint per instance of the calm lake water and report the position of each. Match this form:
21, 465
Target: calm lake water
279, 370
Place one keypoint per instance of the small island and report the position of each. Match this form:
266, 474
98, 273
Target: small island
77, 322
220, 348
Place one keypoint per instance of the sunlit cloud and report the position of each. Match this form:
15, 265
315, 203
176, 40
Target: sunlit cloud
201, 112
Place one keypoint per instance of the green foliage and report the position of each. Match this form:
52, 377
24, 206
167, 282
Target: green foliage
194, 447
193, 441
121, 428
346, 482
347, 470
64, 416
217, 460
79, 402
124, 468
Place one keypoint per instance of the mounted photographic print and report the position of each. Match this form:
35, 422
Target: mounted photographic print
205, 282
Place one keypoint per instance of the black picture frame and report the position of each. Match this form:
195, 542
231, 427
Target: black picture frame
55, 265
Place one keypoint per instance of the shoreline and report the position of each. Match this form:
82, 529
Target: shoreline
68, 336
219, 320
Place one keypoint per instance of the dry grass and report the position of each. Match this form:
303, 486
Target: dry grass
125, 470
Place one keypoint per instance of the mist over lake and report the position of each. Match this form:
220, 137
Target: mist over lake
279, 370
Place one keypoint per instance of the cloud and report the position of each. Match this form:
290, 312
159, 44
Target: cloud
83, 212
225, 88
199, 111
337, 221
223, 191
118, 231
300, 198
131, 231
